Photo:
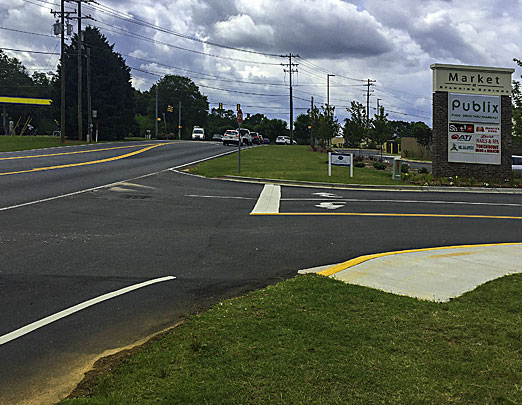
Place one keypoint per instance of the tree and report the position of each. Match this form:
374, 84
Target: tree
16, 82
301, 130
354, 128
402, 128
324, 125
111, 89
422, 133
173, 89
381, 130
219, 121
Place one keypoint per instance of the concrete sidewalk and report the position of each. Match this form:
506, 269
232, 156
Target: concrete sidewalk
434, 274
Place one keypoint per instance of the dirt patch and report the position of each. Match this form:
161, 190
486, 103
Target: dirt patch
111, 360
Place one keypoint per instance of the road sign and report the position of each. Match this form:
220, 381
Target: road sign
239, 117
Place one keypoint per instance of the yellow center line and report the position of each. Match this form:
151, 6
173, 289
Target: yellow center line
361, 259
81, 151
92, 162
382, 214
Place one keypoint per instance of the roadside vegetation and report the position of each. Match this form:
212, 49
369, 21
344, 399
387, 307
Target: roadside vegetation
303, 163
14, 143
313, 339
288, 163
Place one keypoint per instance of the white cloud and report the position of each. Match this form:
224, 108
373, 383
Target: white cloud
391, 41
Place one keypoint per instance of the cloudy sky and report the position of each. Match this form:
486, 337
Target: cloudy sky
393, 42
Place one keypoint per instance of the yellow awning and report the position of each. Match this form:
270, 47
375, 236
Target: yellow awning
25, 100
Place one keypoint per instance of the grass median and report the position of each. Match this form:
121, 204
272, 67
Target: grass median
289, 163
15, 143
312, 339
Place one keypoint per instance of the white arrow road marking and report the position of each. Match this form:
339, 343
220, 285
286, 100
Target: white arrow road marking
69, 311
327, 195
329, 205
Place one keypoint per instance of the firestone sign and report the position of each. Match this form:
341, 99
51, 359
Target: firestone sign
472, 79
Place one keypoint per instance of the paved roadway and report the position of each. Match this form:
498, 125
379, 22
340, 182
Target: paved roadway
62, 252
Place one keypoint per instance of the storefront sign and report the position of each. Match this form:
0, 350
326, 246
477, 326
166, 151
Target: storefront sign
482, 145
474, 108
472, 79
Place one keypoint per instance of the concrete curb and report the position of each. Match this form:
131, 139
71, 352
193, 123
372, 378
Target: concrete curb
435, 189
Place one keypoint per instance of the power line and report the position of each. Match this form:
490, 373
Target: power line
118, 14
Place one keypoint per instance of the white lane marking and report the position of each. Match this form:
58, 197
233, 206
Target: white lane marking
224, 197
327, 195
330, 206
106, 185
69, 311
409, 201
268, 201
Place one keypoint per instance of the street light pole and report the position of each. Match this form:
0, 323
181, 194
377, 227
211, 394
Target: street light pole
328, 91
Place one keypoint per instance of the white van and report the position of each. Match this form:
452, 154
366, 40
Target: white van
198, 133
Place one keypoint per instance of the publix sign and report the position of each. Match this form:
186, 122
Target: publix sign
474, 108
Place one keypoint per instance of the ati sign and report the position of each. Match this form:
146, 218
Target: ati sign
482, 145
471, 108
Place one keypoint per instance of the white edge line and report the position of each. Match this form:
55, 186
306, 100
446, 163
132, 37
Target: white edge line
110, 184
69, 311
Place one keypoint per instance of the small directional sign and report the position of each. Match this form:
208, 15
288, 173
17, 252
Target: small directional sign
239, 116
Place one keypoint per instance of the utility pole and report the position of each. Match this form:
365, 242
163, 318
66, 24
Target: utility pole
179, 121
80, 123
328, 91
369, 83
290, 71
311, 120
89, 106
61, 27
156, 117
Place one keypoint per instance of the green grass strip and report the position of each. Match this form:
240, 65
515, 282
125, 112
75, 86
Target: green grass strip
289, 163
16, 143
316, 340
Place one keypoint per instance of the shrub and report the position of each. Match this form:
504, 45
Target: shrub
359, 164
405, 168
424, 170
379, 165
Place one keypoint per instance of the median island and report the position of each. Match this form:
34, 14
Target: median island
313, 339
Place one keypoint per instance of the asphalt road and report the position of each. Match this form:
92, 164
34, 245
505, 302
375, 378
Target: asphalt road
62, 252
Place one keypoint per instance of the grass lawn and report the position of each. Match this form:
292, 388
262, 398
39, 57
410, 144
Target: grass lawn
13, 143
312, 339
289, 163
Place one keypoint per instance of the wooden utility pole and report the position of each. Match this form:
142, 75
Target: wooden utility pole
79, 43
291, 71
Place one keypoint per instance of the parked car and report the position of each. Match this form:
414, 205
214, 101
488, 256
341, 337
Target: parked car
217, 137
516, 163
266, 140
198, 133
282, 140
255, 138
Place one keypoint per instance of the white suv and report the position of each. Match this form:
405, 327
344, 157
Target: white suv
198, 133
282, 140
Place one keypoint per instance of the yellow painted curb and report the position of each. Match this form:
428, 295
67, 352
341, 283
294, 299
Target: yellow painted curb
384, 214
361, 259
